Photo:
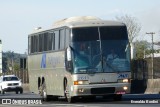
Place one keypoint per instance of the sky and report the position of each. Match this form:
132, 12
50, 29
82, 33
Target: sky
18, 18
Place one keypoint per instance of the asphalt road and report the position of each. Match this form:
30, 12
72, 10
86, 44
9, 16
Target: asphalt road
130, 100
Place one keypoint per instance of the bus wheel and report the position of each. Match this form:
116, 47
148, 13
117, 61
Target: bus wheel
69, 98
40, 90
44, 92
65, 89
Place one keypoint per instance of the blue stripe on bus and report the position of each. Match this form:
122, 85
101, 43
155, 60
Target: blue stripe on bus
43, 61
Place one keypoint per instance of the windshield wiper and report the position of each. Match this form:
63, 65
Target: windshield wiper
91, 70
110, 66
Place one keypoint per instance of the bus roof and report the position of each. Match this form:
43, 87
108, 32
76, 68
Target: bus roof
81, 21
85, 21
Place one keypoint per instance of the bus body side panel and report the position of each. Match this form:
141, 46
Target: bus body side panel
51, 67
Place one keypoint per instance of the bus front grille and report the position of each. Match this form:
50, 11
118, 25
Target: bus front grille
105, 90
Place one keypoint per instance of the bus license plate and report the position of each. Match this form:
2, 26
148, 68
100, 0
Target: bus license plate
120, 92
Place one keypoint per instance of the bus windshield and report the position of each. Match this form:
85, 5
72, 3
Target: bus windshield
100, 49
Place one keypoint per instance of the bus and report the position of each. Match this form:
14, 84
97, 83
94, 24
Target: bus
71, 59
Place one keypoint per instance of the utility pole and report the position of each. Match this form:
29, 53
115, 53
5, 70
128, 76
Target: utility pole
151, 33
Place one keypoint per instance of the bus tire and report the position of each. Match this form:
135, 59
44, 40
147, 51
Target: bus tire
44, 92
65, 85
39, 83
69, 98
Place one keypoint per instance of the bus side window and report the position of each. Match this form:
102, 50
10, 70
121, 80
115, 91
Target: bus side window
50, 41
61, 38
45, 42
29, 45
40, 42
57, 45
67, 37
32, 44
53, 41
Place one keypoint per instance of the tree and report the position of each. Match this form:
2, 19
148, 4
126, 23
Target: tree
4, 64
133, 26
142, 48
10, 60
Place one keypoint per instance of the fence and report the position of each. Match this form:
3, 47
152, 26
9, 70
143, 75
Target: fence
142, 69
142, 72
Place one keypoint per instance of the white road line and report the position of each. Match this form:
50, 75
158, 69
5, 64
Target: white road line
48, 105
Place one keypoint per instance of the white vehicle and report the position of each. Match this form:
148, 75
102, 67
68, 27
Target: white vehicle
10, 83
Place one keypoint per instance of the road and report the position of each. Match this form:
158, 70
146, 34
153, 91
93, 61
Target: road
129, 100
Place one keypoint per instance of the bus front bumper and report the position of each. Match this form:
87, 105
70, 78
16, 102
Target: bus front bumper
100, 89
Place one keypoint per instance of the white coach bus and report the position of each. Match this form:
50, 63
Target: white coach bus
80, 57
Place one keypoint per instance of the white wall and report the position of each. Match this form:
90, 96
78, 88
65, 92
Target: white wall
133, 51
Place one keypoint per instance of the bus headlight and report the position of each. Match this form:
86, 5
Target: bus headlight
81, 82
125, 88
123, 80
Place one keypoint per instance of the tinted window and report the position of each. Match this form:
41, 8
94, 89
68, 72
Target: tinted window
45, 41
106, 33
85, 34
40, 42
61, 40
113, 33
32, 44
67, 39
29, 45
50, 41
57, 45
53, 41
36, 44
10, 79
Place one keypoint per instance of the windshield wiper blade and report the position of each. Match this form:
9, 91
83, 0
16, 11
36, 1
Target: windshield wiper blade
91, 70
109, 65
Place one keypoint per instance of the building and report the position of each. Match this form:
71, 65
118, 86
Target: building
0, 56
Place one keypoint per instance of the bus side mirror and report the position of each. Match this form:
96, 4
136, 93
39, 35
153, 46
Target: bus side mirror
68, 59
69, 53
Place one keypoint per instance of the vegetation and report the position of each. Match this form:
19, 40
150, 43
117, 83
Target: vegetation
132, 24
142, 48
10, 61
